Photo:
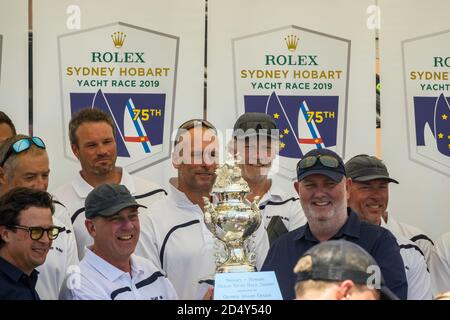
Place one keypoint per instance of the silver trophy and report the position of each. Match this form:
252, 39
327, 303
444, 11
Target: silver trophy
232, 219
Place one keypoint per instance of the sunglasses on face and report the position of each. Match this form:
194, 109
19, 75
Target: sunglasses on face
36, 233
23, 145
325, 160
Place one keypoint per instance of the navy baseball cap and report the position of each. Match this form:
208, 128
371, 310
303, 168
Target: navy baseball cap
321, 161
107, 200
340, 260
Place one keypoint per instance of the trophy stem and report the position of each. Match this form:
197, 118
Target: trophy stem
237, 261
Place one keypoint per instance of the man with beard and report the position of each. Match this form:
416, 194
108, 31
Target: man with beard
323, 189
92, 137
255, 144
26, 235
182, 244
110, 270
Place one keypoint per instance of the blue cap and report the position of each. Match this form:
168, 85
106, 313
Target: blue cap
319, 168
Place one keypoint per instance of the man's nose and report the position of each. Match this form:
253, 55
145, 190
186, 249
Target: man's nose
126, 224
41, 184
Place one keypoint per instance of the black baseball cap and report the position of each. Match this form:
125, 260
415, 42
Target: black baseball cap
252, 124
365, 168
340, 260
107, 200
321, 161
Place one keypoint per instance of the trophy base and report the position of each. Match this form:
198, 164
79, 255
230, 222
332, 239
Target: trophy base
236, 268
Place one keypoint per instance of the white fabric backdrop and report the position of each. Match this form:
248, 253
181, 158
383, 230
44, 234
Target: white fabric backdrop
183, 19
346, 19
421, 198
14, 62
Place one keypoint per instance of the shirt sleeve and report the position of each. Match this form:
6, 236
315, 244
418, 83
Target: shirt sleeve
77, 287
296, 215
262, 245
418, 277
147, 246
386, 252
440, 264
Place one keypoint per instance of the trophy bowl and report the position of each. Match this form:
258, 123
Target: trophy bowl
232, 218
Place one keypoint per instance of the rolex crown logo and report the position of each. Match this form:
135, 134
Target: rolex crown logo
118, 39
291, 42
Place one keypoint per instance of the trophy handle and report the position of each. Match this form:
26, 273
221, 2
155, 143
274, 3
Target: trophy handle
255, 204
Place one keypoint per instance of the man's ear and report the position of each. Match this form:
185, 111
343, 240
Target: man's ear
348, 186
90, 227
345, 288
4, 234
75, 150
176, 160
296, 186
3, 178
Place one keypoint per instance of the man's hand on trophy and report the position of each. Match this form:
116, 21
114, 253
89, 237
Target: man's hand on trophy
209, 295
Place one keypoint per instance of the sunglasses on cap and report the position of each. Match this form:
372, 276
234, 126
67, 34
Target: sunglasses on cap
23, 145
325, 160
36, 233
191, 124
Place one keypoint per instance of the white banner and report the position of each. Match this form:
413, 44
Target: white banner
140, 61
415, 113
308, 64
14, 62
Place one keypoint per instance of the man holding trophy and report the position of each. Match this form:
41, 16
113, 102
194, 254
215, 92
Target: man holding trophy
183, 246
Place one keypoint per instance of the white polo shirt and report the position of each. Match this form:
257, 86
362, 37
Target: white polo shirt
276, 202
73, 195
100, 280
417, 274
440, 264
61, 256
183, 246
414, 234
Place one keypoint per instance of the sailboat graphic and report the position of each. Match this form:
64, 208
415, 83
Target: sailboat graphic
309, 136
100, 102
297, 134
289, 142
137, 136
134, 132
432, 124
442, 125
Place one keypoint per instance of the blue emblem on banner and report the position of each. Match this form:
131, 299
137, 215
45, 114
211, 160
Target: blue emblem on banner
434, 112
305, 122
139, 117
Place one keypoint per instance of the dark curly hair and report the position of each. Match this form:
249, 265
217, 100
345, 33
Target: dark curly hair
16, 200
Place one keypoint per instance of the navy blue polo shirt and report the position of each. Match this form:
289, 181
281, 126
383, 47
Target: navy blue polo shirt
16, 285
379, 242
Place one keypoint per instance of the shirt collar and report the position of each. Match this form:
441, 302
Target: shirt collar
179, 197
383, 224
109, 271
82, 187
15, 273
274, 193
351, 228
